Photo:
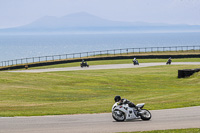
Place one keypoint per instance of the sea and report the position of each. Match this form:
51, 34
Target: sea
26, 46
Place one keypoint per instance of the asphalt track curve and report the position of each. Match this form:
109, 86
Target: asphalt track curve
101, 123
111, 66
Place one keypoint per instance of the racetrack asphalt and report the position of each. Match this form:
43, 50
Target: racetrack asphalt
102, 123
111, 66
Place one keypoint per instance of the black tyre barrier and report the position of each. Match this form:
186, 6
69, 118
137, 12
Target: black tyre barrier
187, 72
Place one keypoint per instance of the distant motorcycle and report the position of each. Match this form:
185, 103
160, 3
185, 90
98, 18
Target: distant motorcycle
84, 64
124, 112
135, 62
169, 62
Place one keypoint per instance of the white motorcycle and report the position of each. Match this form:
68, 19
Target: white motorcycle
124, 112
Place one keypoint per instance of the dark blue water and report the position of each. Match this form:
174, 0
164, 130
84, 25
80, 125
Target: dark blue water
24, 46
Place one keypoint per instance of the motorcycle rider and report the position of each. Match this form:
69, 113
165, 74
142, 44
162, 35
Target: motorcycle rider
134, 60
169, 60
83, 61
124, 101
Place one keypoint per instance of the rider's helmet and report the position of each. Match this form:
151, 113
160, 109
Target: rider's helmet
117, 98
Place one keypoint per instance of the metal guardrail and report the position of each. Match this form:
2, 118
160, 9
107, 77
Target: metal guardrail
114, 52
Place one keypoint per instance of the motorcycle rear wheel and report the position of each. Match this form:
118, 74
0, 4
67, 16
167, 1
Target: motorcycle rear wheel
119, 117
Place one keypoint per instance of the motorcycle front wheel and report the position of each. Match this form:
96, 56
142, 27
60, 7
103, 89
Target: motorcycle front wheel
118, 115
145, 114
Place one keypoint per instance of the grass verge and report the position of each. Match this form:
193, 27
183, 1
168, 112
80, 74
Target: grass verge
75, 92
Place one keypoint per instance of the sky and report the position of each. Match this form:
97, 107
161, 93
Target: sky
15, 13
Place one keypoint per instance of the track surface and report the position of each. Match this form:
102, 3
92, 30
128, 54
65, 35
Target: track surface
112, 66
101, 123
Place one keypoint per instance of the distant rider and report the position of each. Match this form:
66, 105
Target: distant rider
169, 60
83, 61
124, 101
134, 60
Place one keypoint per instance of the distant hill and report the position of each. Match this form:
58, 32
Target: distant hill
84, 22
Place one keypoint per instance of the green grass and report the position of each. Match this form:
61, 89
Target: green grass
189, 130
75, 92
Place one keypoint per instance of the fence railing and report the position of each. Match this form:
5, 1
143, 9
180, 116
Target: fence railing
103, 53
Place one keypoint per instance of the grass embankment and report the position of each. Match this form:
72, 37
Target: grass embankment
74, 92
189, 130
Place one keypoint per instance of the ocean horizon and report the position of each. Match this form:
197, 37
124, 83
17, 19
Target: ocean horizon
27, 46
